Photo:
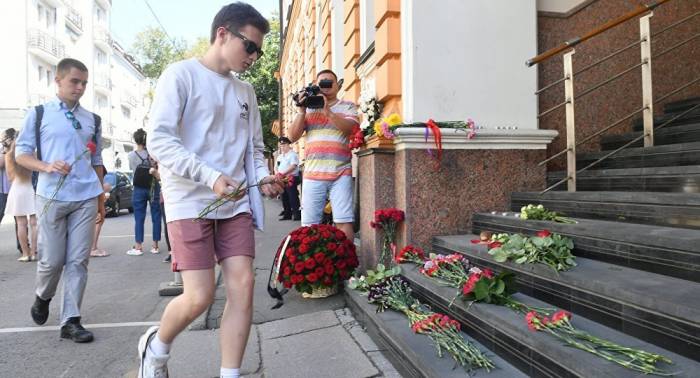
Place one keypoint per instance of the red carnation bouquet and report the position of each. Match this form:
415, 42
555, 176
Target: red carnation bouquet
387, 220
315, 257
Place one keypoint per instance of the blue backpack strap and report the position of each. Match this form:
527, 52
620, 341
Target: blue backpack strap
37, 129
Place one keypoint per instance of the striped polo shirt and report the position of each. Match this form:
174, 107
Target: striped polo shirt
326, 148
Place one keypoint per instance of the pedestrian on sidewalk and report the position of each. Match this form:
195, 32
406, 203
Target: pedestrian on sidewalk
203, 157
288, 165
95, 251
327, 165
146, 194
58, 132
20, 203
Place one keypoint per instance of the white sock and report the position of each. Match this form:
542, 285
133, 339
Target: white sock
229, 373
158, 347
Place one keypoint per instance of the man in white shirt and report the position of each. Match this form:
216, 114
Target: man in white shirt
288, 165
206, 135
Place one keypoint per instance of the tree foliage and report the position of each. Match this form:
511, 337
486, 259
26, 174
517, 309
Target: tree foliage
262, 76
155, 51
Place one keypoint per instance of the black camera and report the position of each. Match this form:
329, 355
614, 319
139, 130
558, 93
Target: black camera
312, 99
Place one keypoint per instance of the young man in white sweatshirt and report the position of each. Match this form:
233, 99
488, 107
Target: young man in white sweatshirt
205, 132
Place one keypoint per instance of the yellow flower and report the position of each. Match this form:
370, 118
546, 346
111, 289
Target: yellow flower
393, 119
378, 128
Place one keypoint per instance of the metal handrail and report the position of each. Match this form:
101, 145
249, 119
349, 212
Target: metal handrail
677, 45
640, 9
628, 116
612, 78
553, 108
586, 139
673, 25
637, 139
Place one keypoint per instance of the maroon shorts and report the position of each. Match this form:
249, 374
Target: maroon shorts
201, 244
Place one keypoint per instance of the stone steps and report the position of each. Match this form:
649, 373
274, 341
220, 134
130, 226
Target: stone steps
692, 116
663, 209
639, 157
685, 179
413, 355
658, 309
535, 353
662, 250
668, 135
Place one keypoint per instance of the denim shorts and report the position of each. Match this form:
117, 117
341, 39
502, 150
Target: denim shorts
313, 199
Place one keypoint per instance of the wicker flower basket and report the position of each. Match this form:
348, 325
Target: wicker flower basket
321, 292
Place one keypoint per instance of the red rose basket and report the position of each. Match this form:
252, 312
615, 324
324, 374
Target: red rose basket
312, 258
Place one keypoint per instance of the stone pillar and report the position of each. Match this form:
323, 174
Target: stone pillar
376, 181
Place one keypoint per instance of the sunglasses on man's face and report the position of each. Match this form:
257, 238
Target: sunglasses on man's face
71, 117
250, 46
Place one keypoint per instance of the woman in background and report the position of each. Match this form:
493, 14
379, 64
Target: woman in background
20, 204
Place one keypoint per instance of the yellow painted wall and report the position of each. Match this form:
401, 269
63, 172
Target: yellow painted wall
299, 56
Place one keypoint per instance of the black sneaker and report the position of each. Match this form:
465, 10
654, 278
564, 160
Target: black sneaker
168, 259
40, 310
279, 215
296, 216
74, 331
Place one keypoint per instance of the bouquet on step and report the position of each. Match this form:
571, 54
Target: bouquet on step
538, 212
482, 285
387, 220
545, 247
394, 293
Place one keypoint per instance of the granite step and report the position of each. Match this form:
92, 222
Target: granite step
414, 355
693, 116
662, 250
679, 106
663, 209
638, 157
684, 179
667, 135
658, 309
535, 353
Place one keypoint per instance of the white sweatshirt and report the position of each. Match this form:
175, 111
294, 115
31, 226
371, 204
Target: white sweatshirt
202, 125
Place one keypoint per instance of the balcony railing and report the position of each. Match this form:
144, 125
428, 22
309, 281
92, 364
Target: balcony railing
45, 45
130, 99
102, 37
74, 18
103, 82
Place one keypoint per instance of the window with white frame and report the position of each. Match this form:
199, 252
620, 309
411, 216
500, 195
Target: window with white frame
367, 29
40, 73
49, 77
100, 13
126, 112
101, 57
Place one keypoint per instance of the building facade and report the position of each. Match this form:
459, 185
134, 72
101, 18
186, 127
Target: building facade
45, 31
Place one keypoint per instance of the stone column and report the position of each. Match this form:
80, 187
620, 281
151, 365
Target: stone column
376, 175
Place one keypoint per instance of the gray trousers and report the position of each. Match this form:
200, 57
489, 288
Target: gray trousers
66, 231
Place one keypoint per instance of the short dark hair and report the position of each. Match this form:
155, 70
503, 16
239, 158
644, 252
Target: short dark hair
236, 16
325, 72
66, 64
285, 140
140, 137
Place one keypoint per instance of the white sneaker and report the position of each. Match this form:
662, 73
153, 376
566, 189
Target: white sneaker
155, 250
151, 366
134, 252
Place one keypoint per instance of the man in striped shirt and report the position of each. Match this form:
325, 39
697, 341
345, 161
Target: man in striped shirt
327, 166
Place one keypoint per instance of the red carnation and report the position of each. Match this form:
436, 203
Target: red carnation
92, 147
304, 248
299, 267
310, 263
543, 233
320, 271
328, 281
488, 273
319, 257
341, 264
329, 269
340, 235
297, 278
312, 277
332, 246
287, 271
